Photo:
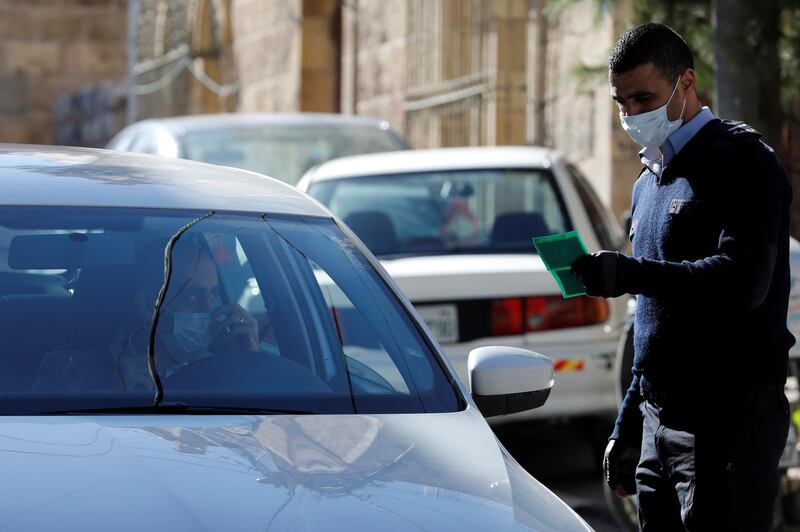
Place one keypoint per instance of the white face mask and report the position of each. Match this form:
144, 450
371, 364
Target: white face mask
652, 128
192, 331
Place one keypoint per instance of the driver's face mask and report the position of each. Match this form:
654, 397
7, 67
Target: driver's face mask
192, 331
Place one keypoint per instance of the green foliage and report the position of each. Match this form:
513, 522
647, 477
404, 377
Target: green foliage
789, 50
691, 19
556, 7
587, 75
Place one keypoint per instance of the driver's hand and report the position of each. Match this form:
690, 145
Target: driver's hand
234, 329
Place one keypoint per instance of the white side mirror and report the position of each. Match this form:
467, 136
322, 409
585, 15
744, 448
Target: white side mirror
504, 380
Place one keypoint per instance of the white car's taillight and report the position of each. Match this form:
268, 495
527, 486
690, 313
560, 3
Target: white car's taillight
518, 315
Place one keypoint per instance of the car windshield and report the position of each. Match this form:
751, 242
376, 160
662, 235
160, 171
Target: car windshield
285, 152
464, 211
125, 309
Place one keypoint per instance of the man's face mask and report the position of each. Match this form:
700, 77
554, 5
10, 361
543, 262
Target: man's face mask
652, 128
192, 331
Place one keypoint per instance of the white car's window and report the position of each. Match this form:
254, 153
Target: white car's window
273, 313
608, 230
284, 152
466, 211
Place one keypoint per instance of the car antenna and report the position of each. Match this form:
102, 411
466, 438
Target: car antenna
162, 293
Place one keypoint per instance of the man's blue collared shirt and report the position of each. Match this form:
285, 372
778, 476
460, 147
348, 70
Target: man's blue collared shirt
652, 157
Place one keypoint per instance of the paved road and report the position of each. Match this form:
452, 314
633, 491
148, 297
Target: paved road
564, 459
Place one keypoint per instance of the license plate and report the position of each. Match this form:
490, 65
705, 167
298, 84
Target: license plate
442, 320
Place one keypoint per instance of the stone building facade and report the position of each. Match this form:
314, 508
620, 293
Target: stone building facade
445, 72
569, 105
48, 47
442, 72
201, 56
493, 72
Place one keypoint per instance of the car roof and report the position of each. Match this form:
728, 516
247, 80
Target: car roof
65, 176
432, 160
182, 124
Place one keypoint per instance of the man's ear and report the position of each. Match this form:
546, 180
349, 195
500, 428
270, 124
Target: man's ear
688, 81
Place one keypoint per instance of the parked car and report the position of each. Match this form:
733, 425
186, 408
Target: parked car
191, 347
454, 228
279, 145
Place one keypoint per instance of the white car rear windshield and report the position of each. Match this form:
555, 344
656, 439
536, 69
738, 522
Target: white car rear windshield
434, 213
135, 310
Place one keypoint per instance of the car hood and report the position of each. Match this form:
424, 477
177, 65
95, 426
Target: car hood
443, 277
299, 473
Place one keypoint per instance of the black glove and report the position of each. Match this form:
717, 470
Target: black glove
619, 467
605, 273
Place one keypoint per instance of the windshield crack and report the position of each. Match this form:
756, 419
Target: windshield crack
162, 293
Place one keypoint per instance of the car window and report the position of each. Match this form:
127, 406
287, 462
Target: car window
280, 313
465, 211
285, 151
606, 227
368, 358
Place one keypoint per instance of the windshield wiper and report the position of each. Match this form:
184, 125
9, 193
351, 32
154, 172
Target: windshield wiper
177, 408
162, 293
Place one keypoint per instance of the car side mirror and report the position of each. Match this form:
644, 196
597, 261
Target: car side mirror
505, 380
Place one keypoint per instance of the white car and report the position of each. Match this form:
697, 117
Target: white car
454, 228
191, 347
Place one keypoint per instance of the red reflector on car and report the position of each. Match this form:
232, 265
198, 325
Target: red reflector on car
545, 313
506, 317
516, 315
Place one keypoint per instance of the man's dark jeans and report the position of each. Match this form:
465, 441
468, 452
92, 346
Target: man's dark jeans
713, 467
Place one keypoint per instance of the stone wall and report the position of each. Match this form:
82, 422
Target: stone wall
321, 55
283, 56
568, 93
443, 72
267, 39
508, 63
625, 163
569, 106
374, 54
48, 47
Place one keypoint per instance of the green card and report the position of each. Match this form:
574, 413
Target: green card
558, 252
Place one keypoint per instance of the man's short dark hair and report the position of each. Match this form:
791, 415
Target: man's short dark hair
651, 43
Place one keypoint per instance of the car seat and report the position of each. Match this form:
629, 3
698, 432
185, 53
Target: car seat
375, 229
517, 228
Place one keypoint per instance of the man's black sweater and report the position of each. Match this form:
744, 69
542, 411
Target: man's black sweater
711, 241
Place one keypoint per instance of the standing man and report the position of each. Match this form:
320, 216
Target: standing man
705, 420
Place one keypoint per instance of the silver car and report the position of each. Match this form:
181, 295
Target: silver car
283, 146
191, 347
